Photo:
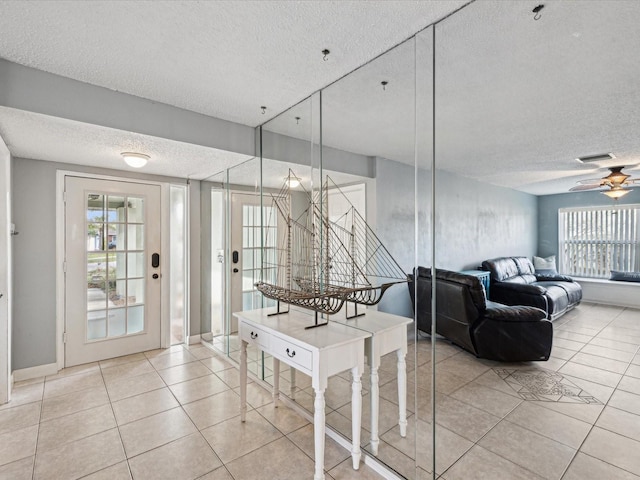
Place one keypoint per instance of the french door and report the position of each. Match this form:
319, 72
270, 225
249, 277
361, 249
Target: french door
248, 232
112, 269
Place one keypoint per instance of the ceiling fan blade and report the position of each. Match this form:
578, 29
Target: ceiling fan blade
583, 187
590, 181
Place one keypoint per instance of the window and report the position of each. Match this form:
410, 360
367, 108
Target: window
595, 240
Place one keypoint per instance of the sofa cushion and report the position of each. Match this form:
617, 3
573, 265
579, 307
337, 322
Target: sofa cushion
556, 297
525, 267
574, 291
501, 268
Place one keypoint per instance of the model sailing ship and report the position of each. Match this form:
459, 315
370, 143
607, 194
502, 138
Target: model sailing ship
321, 262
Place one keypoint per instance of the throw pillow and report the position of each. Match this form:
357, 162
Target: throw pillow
548, 263
625, 276
545, 266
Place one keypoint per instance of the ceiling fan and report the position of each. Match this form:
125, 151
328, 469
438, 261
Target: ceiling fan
616, 181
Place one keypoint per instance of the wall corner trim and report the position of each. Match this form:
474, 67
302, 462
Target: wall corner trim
194, 339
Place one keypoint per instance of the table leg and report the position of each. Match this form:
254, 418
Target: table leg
276, 381
402, 392
375, 408
356, 416
292, 379
318, 433
243, 380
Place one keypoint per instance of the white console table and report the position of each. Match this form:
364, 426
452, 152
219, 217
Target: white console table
388, 334
318, 352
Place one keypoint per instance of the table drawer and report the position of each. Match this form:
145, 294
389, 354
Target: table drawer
292, 352
255, 336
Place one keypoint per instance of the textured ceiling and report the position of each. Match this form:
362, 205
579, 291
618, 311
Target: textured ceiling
220, 58
31, 135
517, 100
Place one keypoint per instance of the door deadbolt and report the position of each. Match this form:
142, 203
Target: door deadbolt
155, 275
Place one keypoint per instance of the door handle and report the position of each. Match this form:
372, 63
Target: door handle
155, 260
235, 256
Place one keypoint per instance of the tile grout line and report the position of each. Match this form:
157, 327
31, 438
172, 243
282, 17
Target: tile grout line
593, 424
115, 419
35, 450
168, 387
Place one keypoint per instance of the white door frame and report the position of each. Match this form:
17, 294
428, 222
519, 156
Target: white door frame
165, 320
5, 301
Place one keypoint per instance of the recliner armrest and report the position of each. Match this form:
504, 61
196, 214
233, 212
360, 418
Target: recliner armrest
517, 313
521, 287
553, 278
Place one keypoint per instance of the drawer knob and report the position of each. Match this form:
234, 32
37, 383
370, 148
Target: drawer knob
291, 354
254, 336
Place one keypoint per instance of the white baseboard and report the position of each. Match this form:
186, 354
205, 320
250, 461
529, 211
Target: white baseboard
622, 294
207, 337
193, 339
35, 372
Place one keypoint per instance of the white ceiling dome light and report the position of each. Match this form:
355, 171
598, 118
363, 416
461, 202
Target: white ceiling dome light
135, 160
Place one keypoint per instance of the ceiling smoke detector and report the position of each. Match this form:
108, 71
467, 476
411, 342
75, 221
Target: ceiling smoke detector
600, 157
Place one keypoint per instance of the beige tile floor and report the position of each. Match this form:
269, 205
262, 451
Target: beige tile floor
175, 414
165, 414
485, 429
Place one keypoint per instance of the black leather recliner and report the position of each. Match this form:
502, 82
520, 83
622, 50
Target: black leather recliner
514, 282
487, 329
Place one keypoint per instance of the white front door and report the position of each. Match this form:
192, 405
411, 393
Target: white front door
112, 280
5, 266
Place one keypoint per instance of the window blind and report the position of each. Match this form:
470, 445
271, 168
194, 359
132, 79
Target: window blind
595, 240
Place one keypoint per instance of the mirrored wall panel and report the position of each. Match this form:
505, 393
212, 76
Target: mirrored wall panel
527, 236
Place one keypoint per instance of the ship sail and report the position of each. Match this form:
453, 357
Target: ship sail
323, 262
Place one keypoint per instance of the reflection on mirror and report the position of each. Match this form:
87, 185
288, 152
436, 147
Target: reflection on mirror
518, 100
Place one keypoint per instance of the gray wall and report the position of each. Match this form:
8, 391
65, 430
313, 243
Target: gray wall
395, 226
548, 206
34, 253
474, 221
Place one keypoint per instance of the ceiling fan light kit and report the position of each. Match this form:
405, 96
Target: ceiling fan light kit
616, 192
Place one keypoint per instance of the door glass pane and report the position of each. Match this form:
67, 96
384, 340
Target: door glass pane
135, 319
135, 239
136, 292
95, 207
115, 209
95, 236
115, 236
118, 293
96, 295
135, 209
115, 265
136, 265
96, 325
117, 322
